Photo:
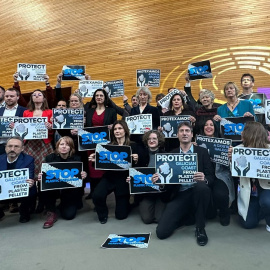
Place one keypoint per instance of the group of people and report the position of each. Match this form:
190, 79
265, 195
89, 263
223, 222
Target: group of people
211, 193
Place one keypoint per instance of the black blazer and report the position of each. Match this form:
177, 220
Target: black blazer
19, 111
109, 118
148, 110
204, 165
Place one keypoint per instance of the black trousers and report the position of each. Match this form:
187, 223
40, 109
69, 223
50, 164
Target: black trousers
71, 200
103, 189
194, 200
221, 197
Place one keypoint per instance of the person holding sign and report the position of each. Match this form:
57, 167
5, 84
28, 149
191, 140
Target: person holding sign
234, 106
98, 114
38, 107
15, 158
223, 188
144, 96
254, 193
151, 205
177, 106
71, 198
190, 197
114, 181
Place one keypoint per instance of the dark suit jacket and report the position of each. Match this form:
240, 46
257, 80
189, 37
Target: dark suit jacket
148, 110
19, 111
109, 118
204, 165
23, 161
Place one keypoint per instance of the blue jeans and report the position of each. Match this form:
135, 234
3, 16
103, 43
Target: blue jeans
259, 208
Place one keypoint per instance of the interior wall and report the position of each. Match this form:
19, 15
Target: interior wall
114, 38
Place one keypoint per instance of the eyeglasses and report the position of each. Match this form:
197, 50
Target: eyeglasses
249, 80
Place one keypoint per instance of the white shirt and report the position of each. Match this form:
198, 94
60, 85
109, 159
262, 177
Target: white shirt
10, 112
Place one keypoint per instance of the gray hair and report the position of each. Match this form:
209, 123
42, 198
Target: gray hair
146, 91
208, 93
16, 138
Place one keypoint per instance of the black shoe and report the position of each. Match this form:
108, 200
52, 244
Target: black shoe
225, 220
103, 220
24, 219
201, 236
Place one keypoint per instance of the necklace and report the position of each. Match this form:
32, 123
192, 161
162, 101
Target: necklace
233, 105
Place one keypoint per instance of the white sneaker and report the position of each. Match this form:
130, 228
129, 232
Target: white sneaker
267, 228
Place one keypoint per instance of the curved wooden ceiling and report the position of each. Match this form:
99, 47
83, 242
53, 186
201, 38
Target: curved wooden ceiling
114, 38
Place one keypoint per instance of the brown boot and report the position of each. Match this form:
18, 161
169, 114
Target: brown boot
51, 219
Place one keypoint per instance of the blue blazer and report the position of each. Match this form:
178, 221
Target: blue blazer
23, 161
19, 111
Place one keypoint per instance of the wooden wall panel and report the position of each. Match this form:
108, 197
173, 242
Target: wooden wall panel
114, 38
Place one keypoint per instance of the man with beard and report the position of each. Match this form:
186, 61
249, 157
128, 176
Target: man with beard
14, 158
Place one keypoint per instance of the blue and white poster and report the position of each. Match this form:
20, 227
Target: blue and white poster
114, 88
148, 77
251, 162
73, 72
217, 148
232, 127
267, 111
31, 72
68, 118
200, 70
176, 168
113, 157
165, 101
120, 241
13, 184
258, 102
5, 129
170, 124
88, 87
139, 124
30, 128
140, 181
90, 137
60, 175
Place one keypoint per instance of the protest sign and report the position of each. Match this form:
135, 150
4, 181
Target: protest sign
165, 101
89, 137
149, 77
267, 111
30, 128
232, 127
60, 175
251, 162
258, 102
68, 118
140, 181
139, 124
217, 148
31, 72
113, 157
199, 70
176, 168
114, 88
170, 124
5, 129
139, 240
88, 87
13, 184
73, 72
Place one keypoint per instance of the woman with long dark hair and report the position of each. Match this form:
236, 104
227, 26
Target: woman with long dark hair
114, 181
